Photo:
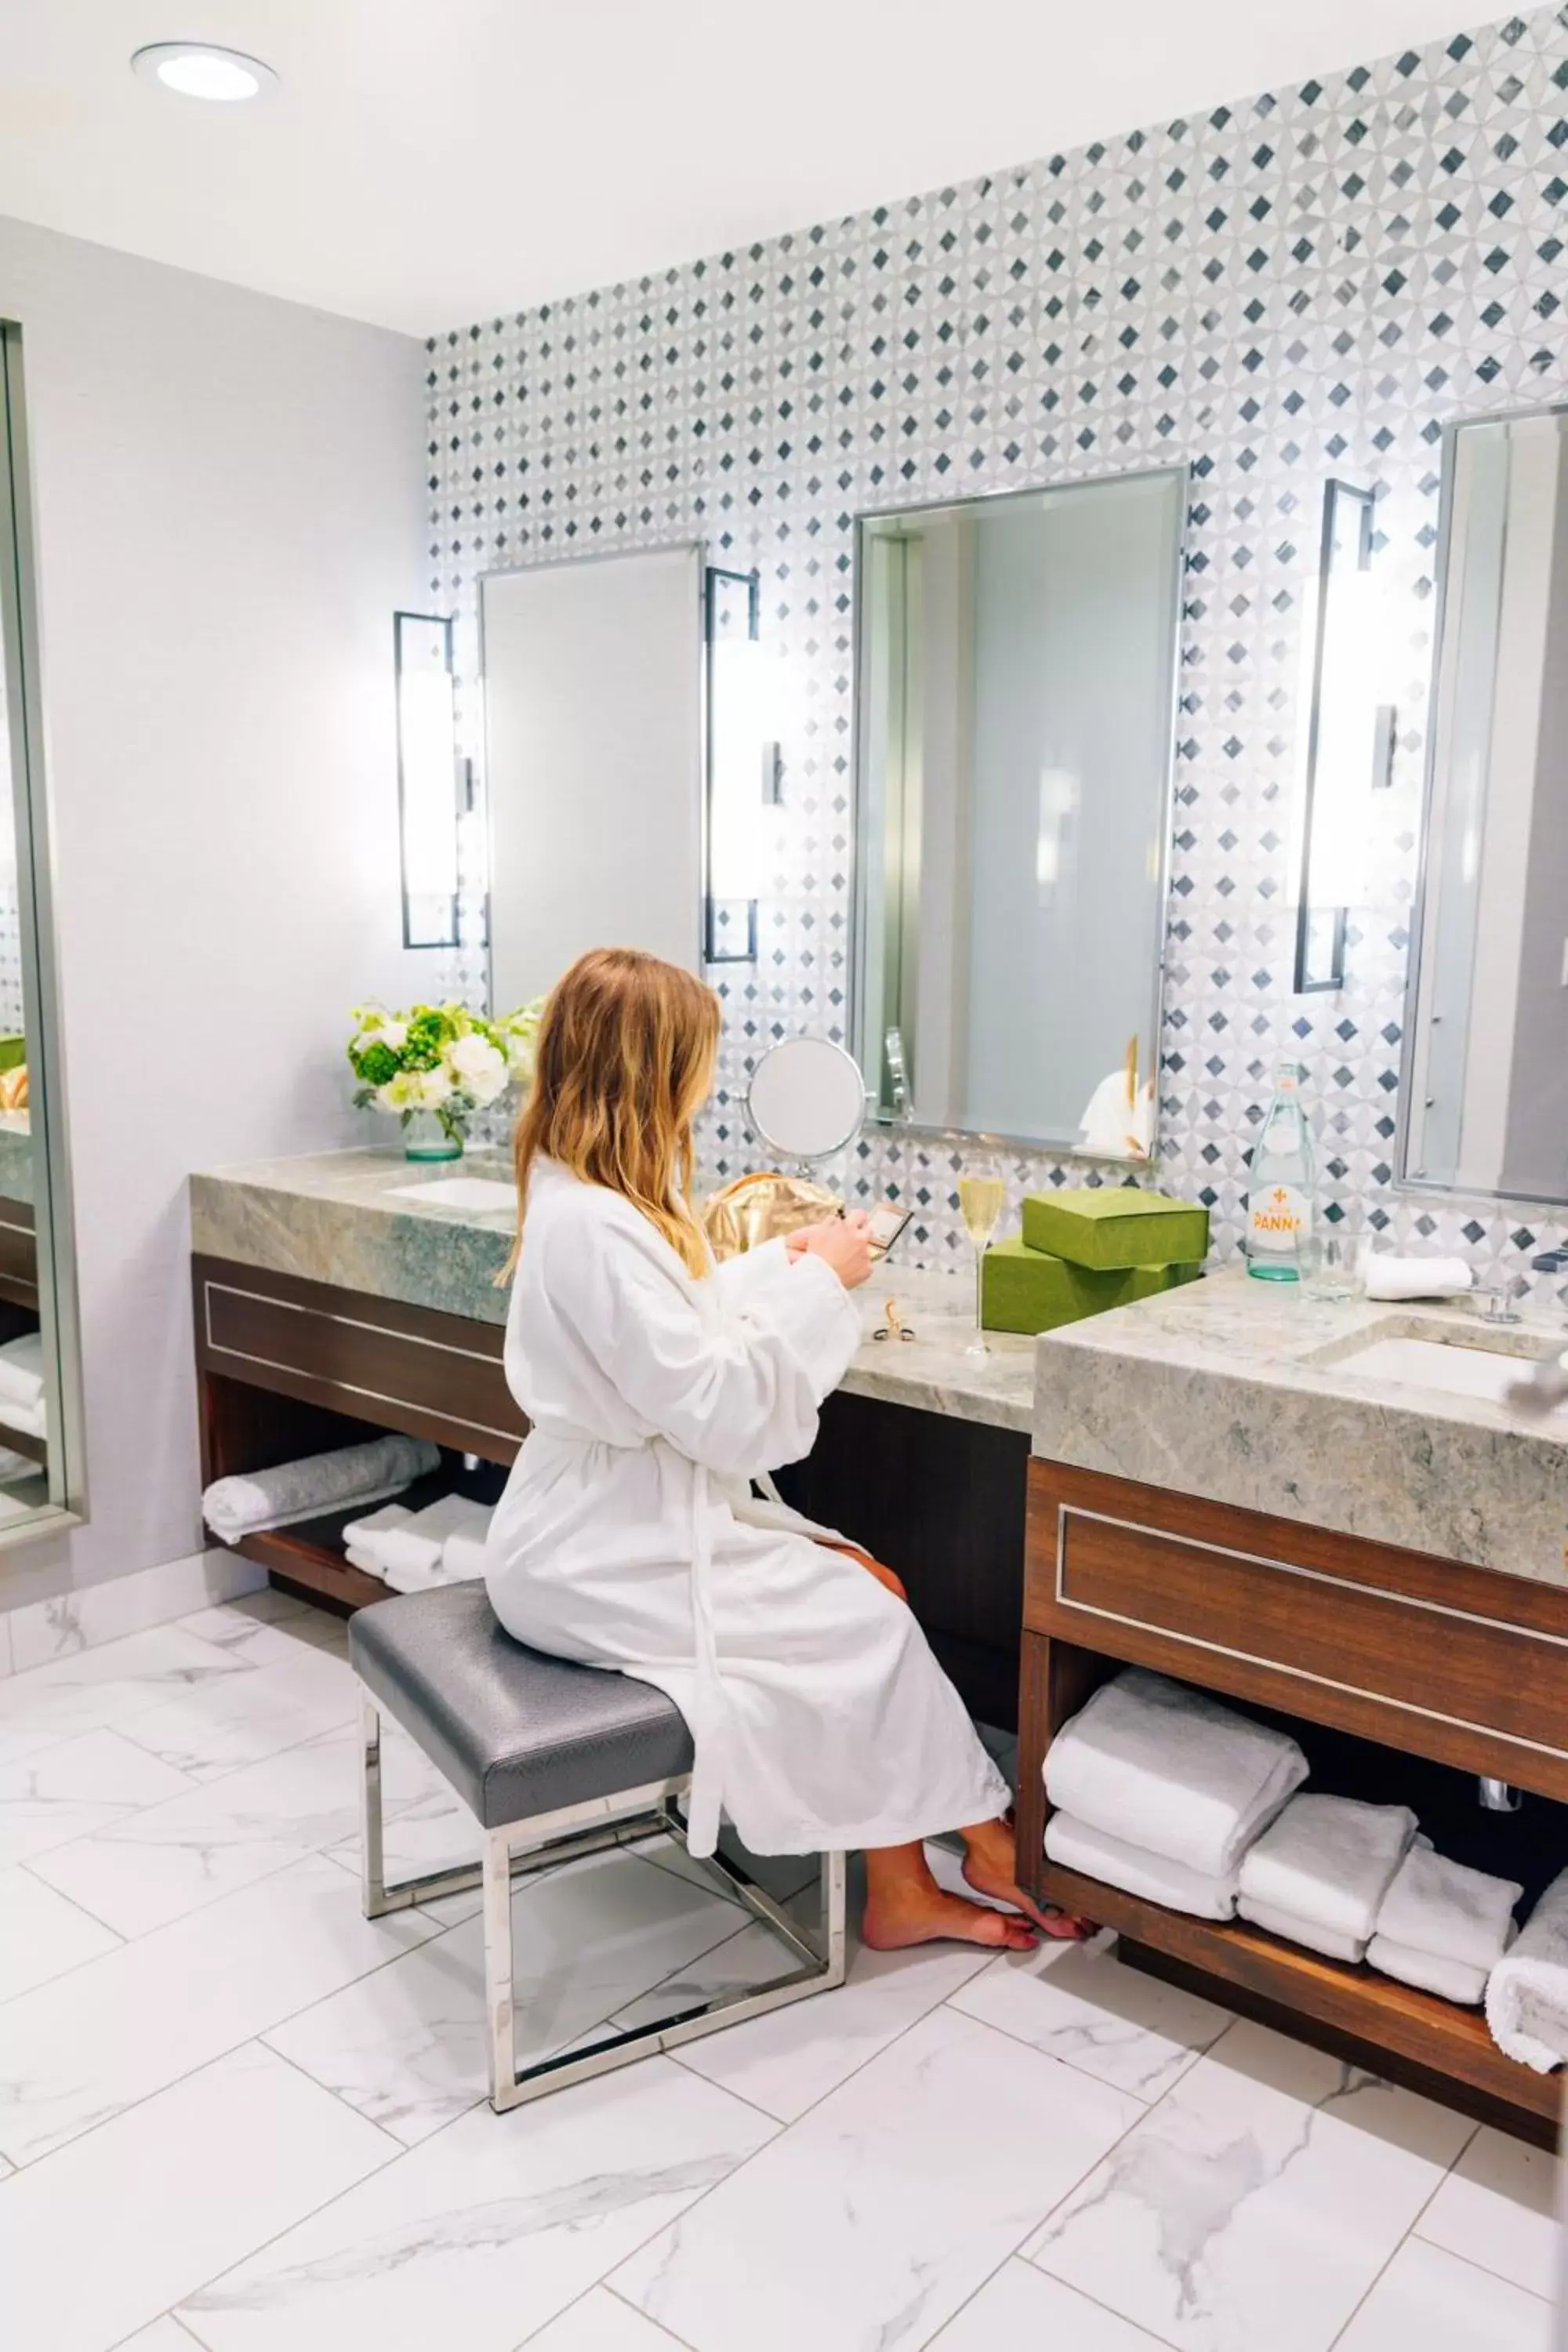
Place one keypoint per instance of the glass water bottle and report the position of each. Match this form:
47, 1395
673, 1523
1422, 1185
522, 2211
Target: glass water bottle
1280, 1199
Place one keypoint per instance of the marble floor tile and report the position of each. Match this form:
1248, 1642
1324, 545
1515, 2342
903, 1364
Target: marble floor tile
108, 2234
488, 2230
1257, 2203
785, 2062
246, 1717
85, 2047
406, 2047
881, 2213
1080, 2004
96, 1689
166, 2335
781, 1876
1427, 2300
76, 1786
1022, 2310
601, 2323
42, 1935
1497, 2209
250, 1625
174, 1857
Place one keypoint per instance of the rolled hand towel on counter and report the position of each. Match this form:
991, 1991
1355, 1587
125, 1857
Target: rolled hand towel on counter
1429, 1971
365, 1474
1445, 1908
1383, 1275
1171, 1771
1325, 1867
1526, 1992
1331, 1942
412, 1553
1137, 1872
360, 1538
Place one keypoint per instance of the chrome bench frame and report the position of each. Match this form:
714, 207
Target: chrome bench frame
517, 1849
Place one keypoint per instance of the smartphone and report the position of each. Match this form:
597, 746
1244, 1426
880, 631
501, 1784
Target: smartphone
887, 1223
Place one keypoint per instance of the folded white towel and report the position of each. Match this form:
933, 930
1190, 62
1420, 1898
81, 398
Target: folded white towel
14, 1465
1171, 1771
360, 1535
1444, 1907
1328, 1861
414, 1551
351, 1475
1154, 1876
22, 1368
32, 1419
463, 1558
1331, 1942
1526, 1992
1384, 1275
1429, 1971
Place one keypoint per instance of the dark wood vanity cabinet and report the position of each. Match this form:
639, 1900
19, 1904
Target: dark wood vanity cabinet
1403, 1671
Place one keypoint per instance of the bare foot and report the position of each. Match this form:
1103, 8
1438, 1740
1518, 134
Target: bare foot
910, 1913
991, 1867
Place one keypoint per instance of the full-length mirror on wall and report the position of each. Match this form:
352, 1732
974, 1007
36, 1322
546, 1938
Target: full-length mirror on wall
40, 1442
1486, 1092
1015, 693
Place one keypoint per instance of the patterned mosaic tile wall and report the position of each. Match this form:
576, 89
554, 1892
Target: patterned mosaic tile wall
1303, 284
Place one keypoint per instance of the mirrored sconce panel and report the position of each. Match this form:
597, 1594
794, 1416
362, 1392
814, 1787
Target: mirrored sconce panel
1349, 738
742, 765
1015, 695
428, 795
1484, 1099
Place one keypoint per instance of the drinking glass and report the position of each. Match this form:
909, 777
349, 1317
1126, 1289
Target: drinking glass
981, 1194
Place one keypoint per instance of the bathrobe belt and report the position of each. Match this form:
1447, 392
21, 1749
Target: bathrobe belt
710, 1709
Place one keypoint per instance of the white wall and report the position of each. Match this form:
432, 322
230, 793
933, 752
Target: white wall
227, 519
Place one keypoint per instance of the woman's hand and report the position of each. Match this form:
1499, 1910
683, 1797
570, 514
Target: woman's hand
843, 1242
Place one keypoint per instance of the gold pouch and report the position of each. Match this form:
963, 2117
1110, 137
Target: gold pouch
760, 1208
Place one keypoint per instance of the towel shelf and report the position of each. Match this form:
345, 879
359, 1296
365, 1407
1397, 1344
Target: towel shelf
1425, 1659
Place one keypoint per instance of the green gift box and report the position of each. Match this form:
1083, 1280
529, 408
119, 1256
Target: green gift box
1029, 1290
1115, 1226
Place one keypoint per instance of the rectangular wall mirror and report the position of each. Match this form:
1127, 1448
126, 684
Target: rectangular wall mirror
40, 1413
1486, 1072
1015, 704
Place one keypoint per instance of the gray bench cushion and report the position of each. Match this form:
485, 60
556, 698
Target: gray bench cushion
517, 1733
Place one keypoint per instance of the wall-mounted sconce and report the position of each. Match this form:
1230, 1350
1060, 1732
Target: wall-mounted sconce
742, 765
1350, 740
429, 793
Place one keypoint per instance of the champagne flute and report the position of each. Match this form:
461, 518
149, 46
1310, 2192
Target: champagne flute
980, 1195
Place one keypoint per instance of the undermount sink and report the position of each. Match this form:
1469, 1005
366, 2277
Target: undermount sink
1477, 1365
480, 1195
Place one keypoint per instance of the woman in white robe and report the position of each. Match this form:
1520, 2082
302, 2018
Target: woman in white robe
658, 1388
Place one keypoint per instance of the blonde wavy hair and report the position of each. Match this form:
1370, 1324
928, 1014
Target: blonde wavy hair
624, 1061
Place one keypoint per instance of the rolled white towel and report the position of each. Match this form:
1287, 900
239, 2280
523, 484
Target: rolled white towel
414, 1551
22, 1368
1384, 1275
1331, 1942
1154, 1876
1328, 1862
1526, 1992
1429, 1971
351, 1475
1444, 1908
1171, 1771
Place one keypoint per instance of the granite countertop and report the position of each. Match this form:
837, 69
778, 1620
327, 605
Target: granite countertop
356, 1219
1247, 1393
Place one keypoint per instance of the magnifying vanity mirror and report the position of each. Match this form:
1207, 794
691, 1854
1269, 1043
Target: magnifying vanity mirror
1015, 695
1484, 1091
806, 1100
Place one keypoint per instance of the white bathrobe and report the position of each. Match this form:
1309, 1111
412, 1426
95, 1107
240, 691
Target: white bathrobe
628, 1536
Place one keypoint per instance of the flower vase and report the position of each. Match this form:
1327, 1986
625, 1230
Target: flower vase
424, 1137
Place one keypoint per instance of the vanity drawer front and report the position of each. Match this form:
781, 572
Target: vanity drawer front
433, 1375
1424, 1655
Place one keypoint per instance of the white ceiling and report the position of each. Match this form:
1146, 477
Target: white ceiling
429, 163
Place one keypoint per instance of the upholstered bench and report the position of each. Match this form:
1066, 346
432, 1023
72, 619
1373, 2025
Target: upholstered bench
553, 1761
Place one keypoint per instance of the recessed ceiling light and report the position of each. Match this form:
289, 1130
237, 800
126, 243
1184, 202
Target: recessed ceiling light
197, 69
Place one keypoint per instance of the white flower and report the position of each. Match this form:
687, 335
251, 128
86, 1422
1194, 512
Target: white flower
429, 1090
393, 1035
477, 1067
397, 1093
